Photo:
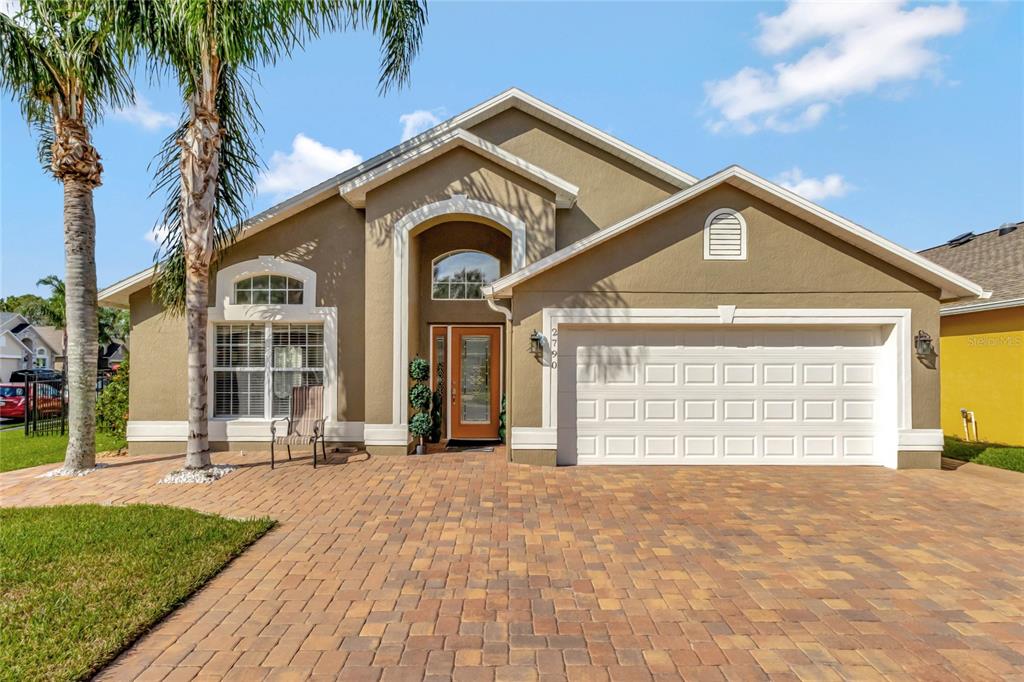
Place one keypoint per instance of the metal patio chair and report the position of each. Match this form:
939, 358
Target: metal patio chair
305, 423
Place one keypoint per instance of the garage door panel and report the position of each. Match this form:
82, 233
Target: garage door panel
723, 396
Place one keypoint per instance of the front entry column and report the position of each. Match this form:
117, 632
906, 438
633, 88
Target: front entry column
386, 431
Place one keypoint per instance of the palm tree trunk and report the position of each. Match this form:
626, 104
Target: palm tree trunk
81, 322
200, 160
196, 293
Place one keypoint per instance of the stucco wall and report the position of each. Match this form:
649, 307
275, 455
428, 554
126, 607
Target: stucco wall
660, 264
610, 189
327, 238
982, 361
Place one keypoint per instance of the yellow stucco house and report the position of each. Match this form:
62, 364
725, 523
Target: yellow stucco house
981, 350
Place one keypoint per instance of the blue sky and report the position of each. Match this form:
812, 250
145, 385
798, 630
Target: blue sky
906, 118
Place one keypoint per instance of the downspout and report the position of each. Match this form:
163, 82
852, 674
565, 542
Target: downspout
508, 372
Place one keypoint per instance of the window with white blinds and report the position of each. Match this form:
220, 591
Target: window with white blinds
239, 370
256, 366
725, 236
297, 360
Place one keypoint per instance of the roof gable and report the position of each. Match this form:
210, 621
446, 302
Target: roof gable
355, 190
952, 286
117, 294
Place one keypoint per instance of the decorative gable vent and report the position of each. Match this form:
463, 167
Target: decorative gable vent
725, 236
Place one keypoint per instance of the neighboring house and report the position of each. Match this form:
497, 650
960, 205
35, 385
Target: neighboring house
982, 356
112, 355
26, 345
631, 312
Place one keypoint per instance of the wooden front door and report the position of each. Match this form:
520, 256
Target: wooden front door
475, 382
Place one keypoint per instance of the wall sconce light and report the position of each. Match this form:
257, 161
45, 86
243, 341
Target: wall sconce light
536, 343
923, 345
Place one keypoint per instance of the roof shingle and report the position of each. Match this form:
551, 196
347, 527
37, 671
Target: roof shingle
994, 261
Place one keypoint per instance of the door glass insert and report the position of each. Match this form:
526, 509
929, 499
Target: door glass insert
476, 379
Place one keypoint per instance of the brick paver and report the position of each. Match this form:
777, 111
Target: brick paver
462, 566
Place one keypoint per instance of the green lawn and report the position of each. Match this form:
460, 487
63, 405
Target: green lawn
79, 583
18, 451
992, 454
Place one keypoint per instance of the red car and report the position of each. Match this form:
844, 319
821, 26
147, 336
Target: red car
12, 400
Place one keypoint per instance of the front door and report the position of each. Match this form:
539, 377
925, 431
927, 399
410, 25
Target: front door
475, 382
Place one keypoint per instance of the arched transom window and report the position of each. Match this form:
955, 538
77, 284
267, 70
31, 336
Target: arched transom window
461, 274
268, 289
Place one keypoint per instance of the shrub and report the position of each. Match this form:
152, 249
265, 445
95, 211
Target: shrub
419, 425
112, 404
419, 369
419, 397
435, 417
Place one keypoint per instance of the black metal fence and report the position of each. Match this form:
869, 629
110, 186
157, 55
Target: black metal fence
46, 403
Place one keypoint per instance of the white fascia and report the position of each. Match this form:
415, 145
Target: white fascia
980, 307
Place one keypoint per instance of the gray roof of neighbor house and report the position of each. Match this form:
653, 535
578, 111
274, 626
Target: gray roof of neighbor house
993, 259
53, 336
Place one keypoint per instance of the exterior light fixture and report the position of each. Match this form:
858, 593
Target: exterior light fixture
536, 343
923, 345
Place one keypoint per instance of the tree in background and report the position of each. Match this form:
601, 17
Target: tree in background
209, 163
59, 61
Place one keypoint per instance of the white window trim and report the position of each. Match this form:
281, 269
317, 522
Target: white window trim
897, 348
270, 288
226, 312
452, 253
743, 234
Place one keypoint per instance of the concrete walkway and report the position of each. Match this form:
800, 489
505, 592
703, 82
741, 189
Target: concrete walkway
464, 566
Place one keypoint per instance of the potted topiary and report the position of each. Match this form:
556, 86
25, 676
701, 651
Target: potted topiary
420, 397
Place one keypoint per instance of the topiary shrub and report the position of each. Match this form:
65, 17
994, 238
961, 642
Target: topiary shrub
112, 404
436, 417
419, 425
419, 369
419, 397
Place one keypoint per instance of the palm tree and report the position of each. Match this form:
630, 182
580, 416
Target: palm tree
209, 164
60, 63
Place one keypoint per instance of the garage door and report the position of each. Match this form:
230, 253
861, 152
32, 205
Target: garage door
724, 396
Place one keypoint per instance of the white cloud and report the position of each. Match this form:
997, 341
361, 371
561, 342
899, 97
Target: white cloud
852, 47
814, 189
415, 122
142, 114
307, 164
156, 234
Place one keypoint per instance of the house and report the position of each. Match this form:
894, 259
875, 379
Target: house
24, 345
983, 341
630, 312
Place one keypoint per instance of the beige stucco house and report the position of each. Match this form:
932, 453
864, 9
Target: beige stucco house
630, 312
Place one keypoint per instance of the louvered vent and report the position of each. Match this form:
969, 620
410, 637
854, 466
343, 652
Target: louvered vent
725, 236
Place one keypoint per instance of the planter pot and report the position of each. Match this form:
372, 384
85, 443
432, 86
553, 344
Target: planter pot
421, 449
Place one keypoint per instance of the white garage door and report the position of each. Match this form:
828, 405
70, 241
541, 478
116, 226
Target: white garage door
725, 396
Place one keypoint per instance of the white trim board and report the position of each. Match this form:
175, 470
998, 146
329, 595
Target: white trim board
257, 430
117, 294
355, 191
953, 285
897, 346
981, 307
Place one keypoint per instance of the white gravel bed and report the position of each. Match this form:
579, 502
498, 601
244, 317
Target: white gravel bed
207, 475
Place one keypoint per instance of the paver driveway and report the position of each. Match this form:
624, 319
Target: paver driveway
466, 566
